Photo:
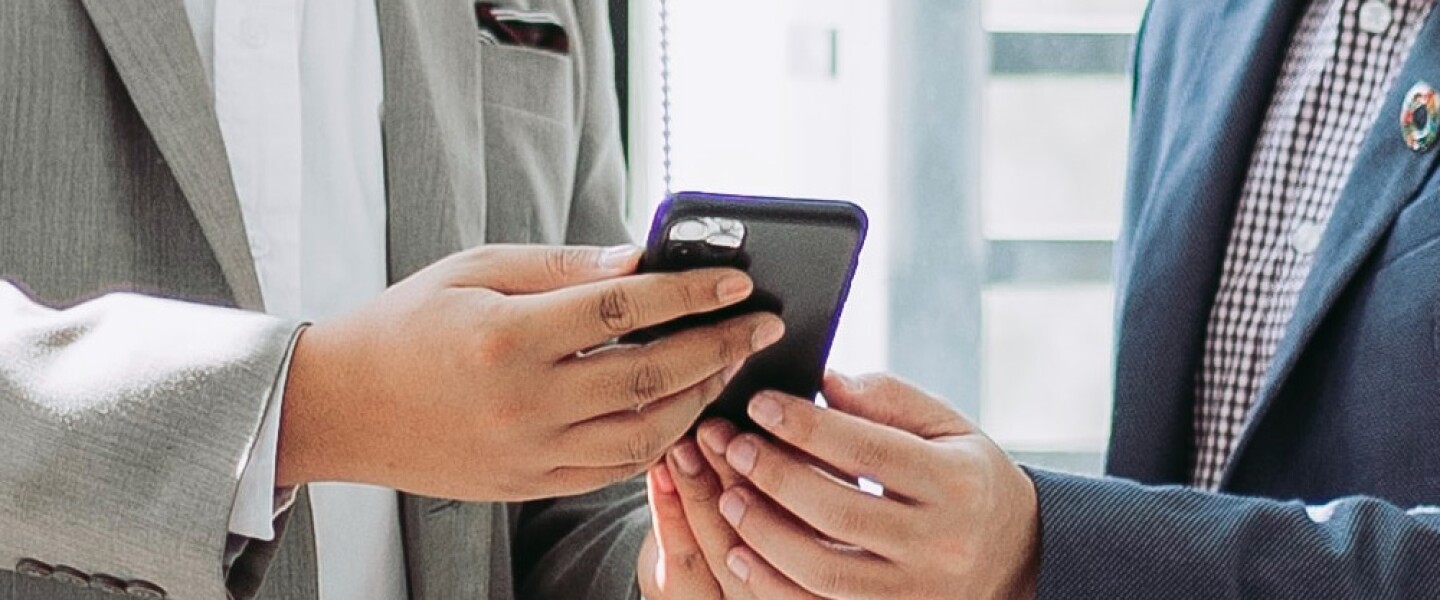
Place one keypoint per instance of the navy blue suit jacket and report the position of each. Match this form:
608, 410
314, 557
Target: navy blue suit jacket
1351, 411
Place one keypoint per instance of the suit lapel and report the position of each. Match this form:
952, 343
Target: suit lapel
1386, 177
448, 547
154, 52
435, 190
1180, 238
434, 135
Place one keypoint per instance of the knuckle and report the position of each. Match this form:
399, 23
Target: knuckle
699, 493
645, 445
871, 455
830, 581
509, 414
768, 474
616, 310
566, 262
735, 347
690, 297
801, 427
496, 347
687, 561
648, 380
849, 518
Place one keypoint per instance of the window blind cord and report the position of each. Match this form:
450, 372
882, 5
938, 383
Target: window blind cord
665, 91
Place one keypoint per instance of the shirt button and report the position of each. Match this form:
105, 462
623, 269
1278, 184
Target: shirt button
107, 584
145, 590
71, 576
253, 33
1376, 16
33, 568
1306, 238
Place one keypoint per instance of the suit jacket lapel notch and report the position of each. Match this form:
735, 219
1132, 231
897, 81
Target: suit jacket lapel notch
154, 52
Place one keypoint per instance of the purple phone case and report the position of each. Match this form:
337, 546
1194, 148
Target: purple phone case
803, 255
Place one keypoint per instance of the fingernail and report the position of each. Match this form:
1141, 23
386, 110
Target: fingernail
767, 334
618, 256
687, 457
741, 455
732, 507
767, 411
734, 288
739, 567
717, 436
663, 480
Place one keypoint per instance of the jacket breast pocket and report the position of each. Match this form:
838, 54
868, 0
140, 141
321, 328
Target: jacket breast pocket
530, 143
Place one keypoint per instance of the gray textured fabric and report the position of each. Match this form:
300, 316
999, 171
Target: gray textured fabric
113, 177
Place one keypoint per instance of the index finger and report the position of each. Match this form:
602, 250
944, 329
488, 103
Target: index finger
681, 571
855, 446
585, 316
514, 269
699, 487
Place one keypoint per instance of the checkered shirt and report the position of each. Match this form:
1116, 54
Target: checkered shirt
1333, 84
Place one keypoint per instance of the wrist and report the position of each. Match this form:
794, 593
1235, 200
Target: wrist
1025, 581
308, 445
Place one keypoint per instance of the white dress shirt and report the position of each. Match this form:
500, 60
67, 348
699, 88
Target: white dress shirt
298, 92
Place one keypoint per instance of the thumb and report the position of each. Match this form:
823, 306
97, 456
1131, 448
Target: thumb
513, 270
891, 401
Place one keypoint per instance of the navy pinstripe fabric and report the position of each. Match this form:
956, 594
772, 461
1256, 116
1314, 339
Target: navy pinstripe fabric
1318, 498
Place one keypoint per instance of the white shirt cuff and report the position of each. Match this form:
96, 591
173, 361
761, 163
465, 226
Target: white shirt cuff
258, 502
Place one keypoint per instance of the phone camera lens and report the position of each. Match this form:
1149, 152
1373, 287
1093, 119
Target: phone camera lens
690, 230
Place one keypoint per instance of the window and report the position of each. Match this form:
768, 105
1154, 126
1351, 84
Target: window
985, 139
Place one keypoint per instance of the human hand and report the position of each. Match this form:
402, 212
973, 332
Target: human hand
463, 381
958, 518
686, 556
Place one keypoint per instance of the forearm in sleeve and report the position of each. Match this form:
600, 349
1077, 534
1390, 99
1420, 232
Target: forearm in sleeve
1115, 539
126, 423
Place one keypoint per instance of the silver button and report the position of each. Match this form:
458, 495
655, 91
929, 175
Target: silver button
1306, 238
107, 584
33, 568
145, 589
1376, 16
71, 576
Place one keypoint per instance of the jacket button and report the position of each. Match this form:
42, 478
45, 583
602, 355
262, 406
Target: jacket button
107, 584
33, 568
71, 576
145, 590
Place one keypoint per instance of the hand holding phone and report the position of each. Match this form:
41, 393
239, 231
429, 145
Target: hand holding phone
802, 256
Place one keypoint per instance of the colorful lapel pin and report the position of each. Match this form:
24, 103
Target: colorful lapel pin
1420, 119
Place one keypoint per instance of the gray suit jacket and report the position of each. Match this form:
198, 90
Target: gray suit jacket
126, 420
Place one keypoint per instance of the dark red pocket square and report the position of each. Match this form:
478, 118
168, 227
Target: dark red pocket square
527, 28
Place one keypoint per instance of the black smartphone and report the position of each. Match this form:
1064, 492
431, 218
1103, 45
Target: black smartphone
802, 256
